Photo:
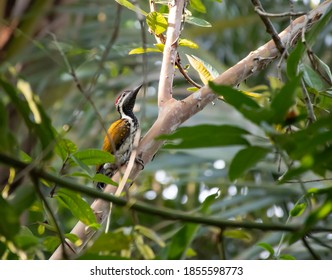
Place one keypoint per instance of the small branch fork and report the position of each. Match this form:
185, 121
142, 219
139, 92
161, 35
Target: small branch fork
162, 40
167, 71
268, 24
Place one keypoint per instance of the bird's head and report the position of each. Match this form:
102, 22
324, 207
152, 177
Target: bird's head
126, 100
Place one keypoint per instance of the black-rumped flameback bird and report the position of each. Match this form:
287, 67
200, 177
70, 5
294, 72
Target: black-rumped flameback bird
120, 135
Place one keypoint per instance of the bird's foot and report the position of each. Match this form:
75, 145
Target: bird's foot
139, 161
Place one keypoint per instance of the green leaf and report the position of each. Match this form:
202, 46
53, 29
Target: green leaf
311, 77
181, 241
83, 166
104, 179
5, 142
40, 124
131, 7
310, 147
111, 242
205, 70
205, 206
197, 21
284, 99
143, 248
188, 43
200, 136
77, 206
243, 103
25, 239
74, 239
245, 159
320, 213
151, 234
287, 257
65, 147
234, 97
238, 234
93, 156
50, 243
267, 247
324, 67
142, 50
25, 157
298, 209
23, 198
198, 6
9, 225
156, 22
160, 47
294, 59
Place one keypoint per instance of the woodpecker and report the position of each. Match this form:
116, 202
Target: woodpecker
120, 135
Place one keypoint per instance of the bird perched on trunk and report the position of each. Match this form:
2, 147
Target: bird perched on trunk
120, 135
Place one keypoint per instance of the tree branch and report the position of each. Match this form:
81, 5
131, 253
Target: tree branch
164, 212
176, 9
268, 24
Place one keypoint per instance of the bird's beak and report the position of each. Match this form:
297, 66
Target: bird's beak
136, 90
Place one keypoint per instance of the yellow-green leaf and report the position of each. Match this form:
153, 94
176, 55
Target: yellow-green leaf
131, 6
144, 249
188, 43
160, 47
74, 239
151, 234
156, 22
206, 71
298, 209
142, 50
238, 234
198, 6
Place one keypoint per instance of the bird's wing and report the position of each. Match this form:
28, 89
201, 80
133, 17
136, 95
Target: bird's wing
116, 134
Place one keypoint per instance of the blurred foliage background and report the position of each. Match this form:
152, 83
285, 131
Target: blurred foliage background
46, 45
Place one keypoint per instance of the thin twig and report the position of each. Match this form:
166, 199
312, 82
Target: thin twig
269, 26
221, 244
311, 251
185, 74
307, 101
286, 14
309, 181
314, 62
319, 242
53, 217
